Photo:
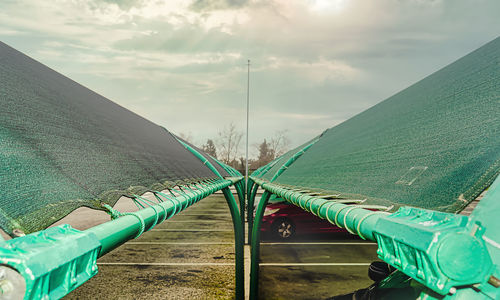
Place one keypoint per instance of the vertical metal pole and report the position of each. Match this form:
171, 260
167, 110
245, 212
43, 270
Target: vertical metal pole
248, 108
250, 209
255, 250
241, 197
239, 241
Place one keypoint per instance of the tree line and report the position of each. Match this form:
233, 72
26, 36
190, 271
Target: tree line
227, 147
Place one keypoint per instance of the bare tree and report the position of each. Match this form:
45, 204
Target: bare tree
210, 148
228, 143
186, 136
279, 144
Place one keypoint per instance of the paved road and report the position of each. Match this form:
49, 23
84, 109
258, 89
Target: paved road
191, 256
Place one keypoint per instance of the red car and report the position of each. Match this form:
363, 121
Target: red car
282, 220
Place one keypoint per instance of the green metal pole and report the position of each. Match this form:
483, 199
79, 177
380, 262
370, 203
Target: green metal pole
445, 252
201, 157
356, 220
292, 160
250, 210
239, 238
114, 233
249, 186
248, 190
255, 247
55, 261
240, 190
252, 192
239, 185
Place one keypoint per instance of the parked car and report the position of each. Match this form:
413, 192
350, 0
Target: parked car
283, 221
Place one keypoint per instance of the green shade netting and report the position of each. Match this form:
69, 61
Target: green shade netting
433, 145
269, 170
64, 146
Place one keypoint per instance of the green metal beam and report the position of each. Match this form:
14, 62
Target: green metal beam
292, 160
237, 217
445, 252
53, 262
252, 188
114, 233
239, 186
355, 219
231, 171
239, 241
250, 207
255, 246
198, 155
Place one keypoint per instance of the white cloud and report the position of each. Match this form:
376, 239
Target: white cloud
314, 62
314, 72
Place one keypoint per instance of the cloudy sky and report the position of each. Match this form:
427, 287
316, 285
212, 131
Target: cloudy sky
182, 63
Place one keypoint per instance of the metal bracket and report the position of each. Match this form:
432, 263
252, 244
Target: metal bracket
52, 262
440, 250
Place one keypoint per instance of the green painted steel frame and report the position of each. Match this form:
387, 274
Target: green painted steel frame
106, 237
432, 233
319, 207
201, 157
43, 269
129, 227
250, 207
255, 246
292, 160
239, 186
237, 217
252, 192
421, 243
252, 186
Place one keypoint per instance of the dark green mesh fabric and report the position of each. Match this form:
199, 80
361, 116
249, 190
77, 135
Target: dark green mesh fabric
64, 146
434, 145
278, 162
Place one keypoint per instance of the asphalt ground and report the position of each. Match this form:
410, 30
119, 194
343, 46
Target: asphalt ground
191, 256
314, 266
